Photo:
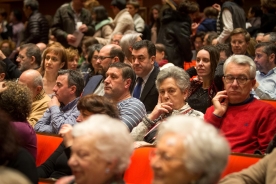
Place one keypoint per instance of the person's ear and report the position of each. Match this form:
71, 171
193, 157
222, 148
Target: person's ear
61, 65
73, 89
127, 83
253, 82
38, 89
271, 58
32, 60
2, 76
116, 59
152, 59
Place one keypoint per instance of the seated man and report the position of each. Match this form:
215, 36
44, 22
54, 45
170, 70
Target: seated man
63, 105
265, 60
118, 87
246, 122
33, 80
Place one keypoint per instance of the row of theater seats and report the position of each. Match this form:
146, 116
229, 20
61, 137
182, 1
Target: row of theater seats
139, 171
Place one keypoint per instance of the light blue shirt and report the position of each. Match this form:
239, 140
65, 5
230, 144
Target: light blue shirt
267, 85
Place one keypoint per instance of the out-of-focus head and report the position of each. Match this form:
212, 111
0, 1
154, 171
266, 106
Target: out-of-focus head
239, 40
92, 56
254, 11
3, 71
99, 14
198, 40
116, 38
3, 14
188, 7
94, 104
78, 4
224, 51
15, 16
269, 37
154, 13
259, 37
107, 145
172, 84
209, 37
91, 4
16, 100
118, 5
128, 40
8, 175
33, 80
143, 57
7, 46
239, 78
69, 85
29, 6
132, 7
160, 52
210, 12
120, 80
72, 58
87, 43
265, 58
268, 6
178, 156
41, 46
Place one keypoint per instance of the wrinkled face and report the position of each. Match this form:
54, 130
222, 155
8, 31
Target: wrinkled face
237, 92
116, 39
84, 157
203, 64
238, 44
52, 63
104, 60
170, 92
72, 64
61, 89
167, 161
114, 84
198, 43
24, 62
155, 14
130, 8
84, 115
141, 62
263, 61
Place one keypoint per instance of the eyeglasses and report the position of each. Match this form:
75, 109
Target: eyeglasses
241, 80
163, 157
103, 57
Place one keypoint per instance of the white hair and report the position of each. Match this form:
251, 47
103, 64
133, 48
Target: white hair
113, 139
241, 60
206, 150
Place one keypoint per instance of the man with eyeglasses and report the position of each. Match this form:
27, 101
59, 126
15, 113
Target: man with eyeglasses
248, 124
109, 54
29, 57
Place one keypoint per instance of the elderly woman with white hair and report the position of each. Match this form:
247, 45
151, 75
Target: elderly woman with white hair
101, 150
126, 44
173, 86
188, 151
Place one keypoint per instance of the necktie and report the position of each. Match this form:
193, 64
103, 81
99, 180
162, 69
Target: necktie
138, 87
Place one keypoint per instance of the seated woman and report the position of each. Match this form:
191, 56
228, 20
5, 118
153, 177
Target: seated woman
54, 58
194, 152
101, 151
173, 86
202, 91
72, 58
56, 165
13, 155
16, 100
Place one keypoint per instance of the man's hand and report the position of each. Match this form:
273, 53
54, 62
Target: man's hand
54, 101
66, 133
71, 38
2, 55
217, 7
160, 108
83, 28
220, 102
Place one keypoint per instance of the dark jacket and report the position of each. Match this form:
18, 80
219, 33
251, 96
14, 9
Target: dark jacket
64, 23
268, 22
207, 25
175, 34
37, 29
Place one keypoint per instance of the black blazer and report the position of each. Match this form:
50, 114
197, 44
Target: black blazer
149, 95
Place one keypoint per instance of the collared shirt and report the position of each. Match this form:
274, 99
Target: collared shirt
39, 96
100, 89
56, 116
145, 79
267, 84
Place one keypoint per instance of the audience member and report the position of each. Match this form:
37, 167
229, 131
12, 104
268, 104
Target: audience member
246, 122
209, 38
71, 17
72, 58
62, 108
118, 86
173, 84
16, 100
154, 22
17, 27
33, 80
133, 9
254, 18
123, 20
37, 29
161, 57
7, 47
265, 60
8, 175
259, 37
108, 54
197, 40
224, 52
54, 58
210, 21
239, 39
179, 158
269, 37
268, 20
143, 58
116, 38
13, 155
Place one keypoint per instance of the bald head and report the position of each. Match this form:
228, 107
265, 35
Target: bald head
42, 46
33, 80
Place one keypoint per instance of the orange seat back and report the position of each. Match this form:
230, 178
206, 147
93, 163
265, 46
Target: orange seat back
238, 162
46, 145
139, 170
271, 102
188, 65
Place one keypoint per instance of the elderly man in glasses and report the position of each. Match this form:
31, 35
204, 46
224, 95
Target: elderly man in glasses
246, 122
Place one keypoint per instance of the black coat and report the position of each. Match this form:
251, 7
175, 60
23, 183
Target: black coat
37, 29
175, 34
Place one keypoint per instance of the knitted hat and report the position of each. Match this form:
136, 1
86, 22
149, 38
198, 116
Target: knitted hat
120, 4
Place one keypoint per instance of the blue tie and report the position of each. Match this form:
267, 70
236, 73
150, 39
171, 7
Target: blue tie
138, 87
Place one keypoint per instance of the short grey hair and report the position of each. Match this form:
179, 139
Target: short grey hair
206, 150
178, 74
241, 60
33, 4
127, 41
38, 81
113, 138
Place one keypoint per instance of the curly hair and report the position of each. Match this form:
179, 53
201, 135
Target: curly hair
16, 100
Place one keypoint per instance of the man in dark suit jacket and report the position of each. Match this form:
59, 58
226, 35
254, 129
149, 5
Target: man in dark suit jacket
143, 55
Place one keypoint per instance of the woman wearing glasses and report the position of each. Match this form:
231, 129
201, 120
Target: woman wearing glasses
204, 89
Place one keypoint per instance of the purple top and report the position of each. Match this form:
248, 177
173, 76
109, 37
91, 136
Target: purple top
27, 136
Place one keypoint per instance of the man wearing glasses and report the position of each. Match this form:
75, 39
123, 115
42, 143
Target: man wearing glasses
246, 122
